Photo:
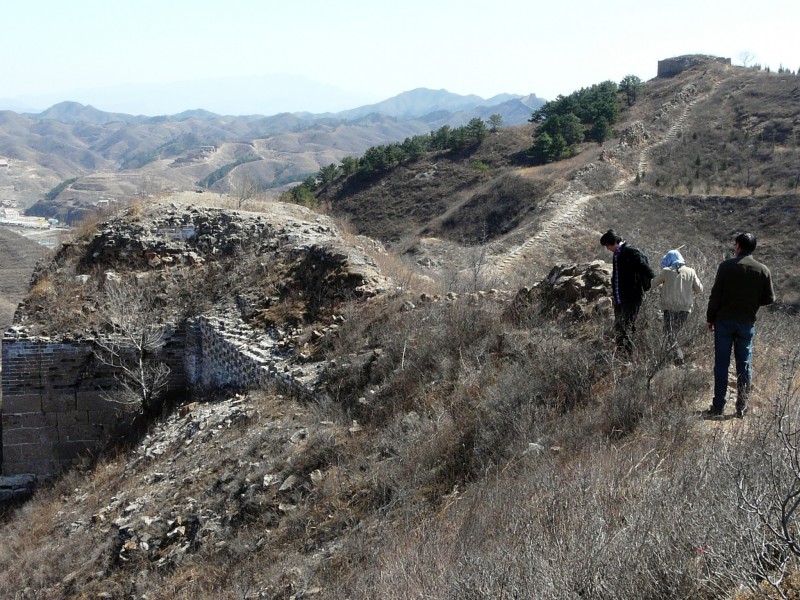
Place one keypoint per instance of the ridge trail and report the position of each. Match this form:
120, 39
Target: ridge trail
570, 203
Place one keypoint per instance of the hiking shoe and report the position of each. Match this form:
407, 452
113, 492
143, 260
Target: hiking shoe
740, 413
713, 413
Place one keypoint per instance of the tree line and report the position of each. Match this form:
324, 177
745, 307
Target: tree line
586, 115
380, 159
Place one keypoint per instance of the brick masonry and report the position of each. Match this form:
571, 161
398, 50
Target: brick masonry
56, 402
229, 354
670, 67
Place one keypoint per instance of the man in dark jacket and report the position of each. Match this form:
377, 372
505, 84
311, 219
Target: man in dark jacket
630, 280
741, 286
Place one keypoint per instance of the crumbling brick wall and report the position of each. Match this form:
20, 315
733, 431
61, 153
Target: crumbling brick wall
229, 354
670, 67
56, 402
52, 410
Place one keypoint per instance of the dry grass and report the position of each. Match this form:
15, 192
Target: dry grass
740, 141
467, 450
492, 458
652, 514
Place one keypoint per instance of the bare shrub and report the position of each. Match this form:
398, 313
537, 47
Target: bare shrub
56, 303
132, 345
766, 485
643, 504
587, 528
494, 209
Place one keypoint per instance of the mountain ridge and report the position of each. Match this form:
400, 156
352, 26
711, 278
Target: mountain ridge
406, 105
70, 140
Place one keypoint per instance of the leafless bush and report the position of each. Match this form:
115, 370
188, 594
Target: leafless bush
599, 527
132, 345
654, 514
766, 485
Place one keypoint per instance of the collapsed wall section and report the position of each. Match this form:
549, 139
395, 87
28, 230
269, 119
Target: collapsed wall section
57, 402
57, 396
227, 353
670, 67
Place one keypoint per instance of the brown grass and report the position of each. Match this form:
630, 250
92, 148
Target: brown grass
740, 141
466, 451
491, 456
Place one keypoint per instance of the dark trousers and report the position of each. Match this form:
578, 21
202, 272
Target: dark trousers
625, 324
738, 337
674, 320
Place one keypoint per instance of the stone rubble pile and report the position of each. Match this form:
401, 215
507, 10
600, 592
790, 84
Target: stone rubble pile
142, 526
633, 136
198, 483
176, 235
192, 234
578, 290
15, 488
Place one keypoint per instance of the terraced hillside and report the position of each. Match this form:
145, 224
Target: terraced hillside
18, 256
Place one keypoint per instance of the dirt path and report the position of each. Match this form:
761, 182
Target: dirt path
569, 204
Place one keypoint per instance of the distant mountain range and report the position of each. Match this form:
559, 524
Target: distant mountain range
266, 94
108, 156
414, 104
423, 101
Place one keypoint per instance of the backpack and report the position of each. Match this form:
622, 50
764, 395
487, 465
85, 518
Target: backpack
646, 275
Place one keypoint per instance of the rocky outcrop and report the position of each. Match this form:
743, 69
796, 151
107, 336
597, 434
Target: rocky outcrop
670, 67
634, 136
166, 243
575, 291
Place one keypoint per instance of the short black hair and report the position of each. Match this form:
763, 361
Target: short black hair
747, 242
610, 237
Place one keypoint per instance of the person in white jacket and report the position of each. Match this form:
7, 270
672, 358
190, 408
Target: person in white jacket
679, 285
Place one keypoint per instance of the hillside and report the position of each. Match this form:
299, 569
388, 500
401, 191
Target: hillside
470, 431
18, 256
114, 157
708, 159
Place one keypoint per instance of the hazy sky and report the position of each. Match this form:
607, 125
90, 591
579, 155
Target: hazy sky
118, 54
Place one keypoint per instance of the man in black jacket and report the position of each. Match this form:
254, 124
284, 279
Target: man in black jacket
630, 280
741, 287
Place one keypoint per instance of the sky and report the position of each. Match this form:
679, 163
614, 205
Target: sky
267, 56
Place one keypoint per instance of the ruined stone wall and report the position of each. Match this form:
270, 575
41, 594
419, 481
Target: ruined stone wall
229, 354
52, 410
670, 67
55, 402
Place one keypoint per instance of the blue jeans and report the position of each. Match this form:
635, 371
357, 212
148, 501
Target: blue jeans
739, 336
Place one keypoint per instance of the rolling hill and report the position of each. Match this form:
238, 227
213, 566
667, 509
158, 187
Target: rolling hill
18, 257
478, 435
710, 151
115, 156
